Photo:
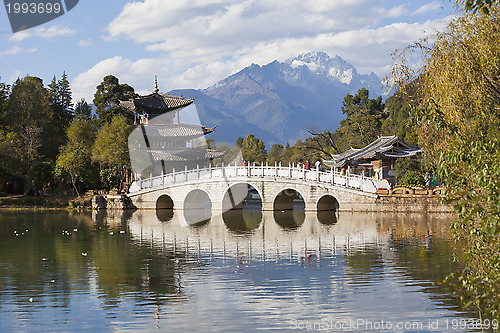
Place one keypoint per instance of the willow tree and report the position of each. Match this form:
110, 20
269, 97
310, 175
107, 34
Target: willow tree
459, 114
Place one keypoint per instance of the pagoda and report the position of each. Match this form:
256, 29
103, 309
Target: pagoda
162, 141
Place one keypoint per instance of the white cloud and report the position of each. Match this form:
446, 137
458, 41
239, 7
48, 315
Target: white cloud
45, 33
85, 43
17, 50
16, 75
430, 7
238, 22
12, 51
133, 73
193, 44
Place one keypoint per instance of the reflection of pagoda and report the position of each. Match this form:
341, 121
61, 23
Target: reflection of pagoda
166, 143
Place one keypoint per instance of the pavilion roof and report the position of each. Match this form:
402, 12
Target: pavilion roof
383, 147
157, 102
186, 155
183, 130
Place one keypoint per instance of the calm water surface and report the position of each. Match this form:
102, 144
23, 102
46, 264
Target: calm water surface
244, 271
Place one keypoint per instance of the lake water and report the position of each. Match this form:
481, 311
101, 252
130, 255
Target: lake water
244, 271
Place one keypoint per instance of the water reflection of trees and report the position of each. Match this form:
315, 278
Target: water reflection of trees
61, 252
65, 251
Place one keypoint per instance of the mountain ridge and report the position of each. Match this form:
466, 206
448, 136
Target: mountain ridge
280, 101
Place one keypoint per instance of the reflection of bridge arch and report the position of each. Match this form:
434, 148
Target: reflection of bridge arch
242, 221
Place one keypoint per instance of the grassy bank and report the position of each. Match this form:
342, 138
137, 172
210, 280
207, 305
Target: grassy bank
45, 202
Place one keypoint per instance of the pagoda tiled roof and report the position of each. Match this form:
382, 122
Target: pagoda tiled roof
157, 102
187, 155
383, 147
183, 130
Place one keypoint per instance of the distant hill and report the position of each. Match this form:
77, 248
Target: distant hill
279, 102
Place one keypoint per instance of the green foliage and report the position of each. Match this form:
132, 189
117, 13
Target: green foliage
30, 116
412, 177
324, 145
4, 98
399, 119
363, 122
82, 110
472, 175
253, 149
107, 99
40, 175
110, 178
60, 94
479, 5
74, 159
408, 171
9, 154
42, 138
110, 149
275, 155
459, 120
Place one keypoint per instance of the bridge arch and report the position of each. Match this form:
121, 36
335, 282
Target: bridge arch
288, 199
197, 207
327, 203
239, 195
164, 201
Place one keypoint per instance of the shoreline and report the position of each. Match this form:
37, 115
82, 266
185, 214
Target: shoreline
45, 202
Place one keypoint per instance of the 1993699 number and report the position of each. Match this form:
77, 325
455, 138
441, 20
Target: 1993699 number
33, 8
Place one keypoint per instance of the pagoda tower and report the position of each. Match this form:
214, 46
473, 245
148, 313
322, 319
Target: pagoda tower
163, 142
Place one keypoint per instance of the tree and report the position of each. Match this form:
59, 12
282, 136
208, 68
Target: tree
479, 5
29, 116
275, 155
459, 127
107, 98
82, 110
10, 158
60, 94
110, 149
75, 157
399, 121
253, 149
363, 121
61, 103
4, 100
323, 144
408, 171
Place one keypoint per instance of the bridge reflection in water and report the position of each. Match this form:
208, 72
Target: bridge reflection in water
253, 234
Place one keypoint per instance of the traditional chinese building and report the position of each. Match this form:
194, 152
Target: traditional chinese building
163, 142
377, 159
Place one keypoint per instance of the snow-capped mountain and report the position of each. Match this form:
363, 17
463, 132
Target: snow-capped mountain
280, 102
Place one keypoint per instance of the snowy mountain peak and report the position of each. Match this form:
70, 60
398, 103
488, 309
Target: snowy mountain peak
320, 63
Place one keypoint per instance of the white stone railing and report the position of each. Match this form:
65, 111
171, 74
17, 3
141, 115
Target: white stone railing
291, 172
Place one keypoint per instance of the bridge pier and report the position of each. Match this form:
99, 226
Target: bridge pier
267, 206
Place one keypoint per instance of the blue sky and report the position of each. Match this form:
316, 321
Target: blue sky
195, 43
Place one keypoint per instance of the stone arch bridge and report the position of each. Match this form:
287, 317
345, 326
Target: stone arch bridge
277, 187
